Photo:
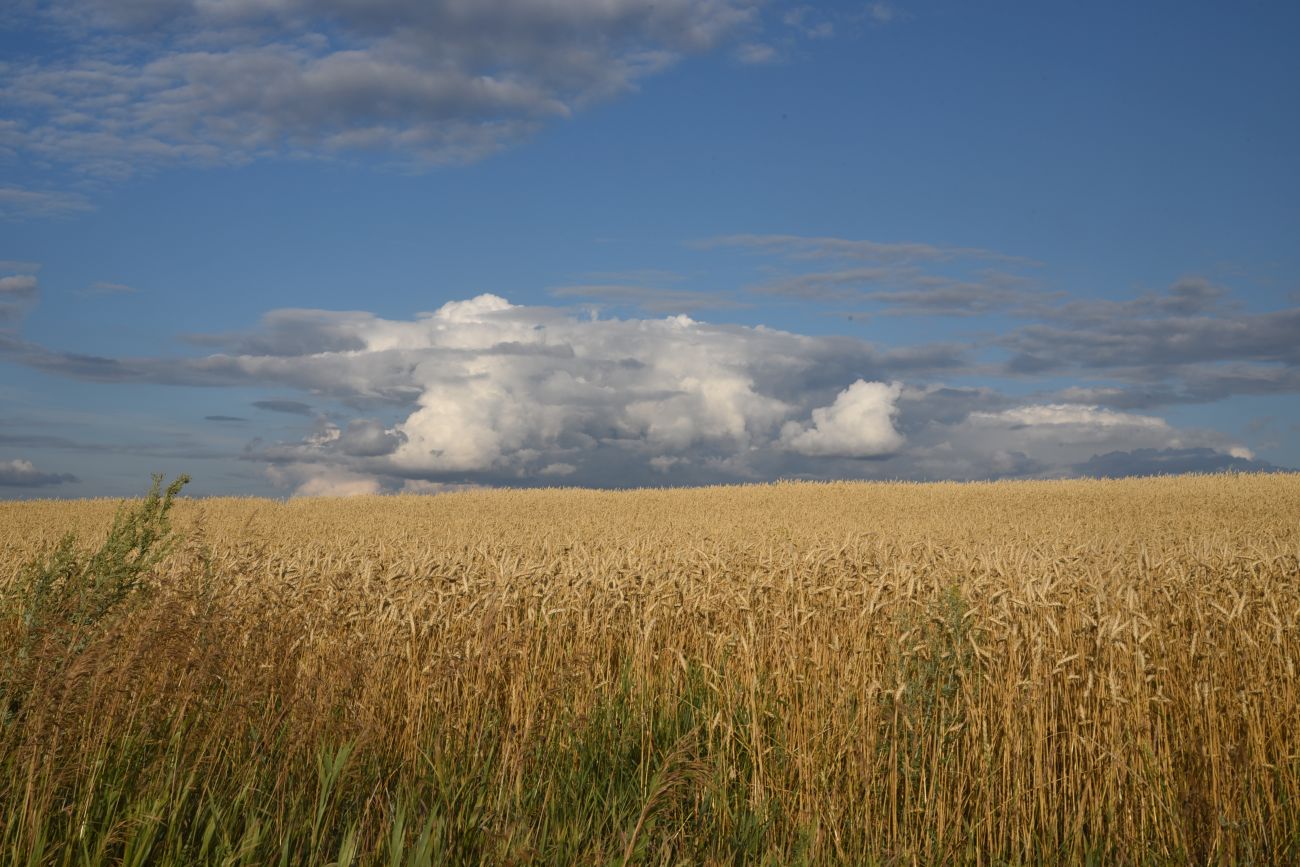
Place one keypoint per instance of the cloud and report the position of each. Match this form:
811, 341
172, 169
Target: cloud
883, 13
909, 291
368, 438
1191, 295
225, 418
317, 481
485, 392
360, 358
79, 366
289, 407
808, 22
17, 293
417, 82
23, 474
1152, 341
757, 53
910, 279
963, 433
290, 332
174, 445
1054, 417
19, 203
488, 391
1192, 343
40, 441
790, 27
1192, 321
883, 253
1187, 383
17, 266
1049, 440
859, 424
1161, 462
18, 286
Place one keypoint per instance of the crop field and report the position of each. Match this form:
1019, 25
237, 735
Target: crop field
850, 673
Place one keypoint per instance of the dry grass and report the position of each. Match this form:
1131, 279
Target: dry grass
1032, 672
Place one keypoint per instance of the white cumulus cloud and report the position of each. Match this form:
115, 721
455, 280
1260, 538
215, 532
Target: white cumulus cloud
859, 424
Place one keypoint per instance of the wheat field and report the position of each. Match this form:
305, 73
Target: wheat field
848, 673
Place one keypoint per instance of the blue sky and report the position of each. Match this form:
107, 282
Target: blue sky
710, 241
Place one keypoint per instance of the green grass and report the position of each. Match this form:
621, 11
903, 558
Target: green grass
638, 780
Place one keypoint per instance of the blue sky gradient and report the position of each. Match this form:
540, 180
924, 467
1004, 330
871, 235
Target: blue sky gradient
1035, 236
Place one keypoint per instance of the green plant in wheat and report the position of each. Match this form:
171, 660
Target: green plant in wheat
60, 600
927, 711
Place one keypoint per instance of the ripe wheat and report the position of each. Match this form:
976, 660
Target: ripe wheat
1028, 672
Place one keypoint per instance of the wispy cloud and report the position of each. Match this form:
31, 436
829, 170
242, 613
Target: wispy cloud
18, 203
861, 250
882, 12
414, 82
288, 407
910, 291
809, 21
17, 293
894, 278
757, 53
179, 445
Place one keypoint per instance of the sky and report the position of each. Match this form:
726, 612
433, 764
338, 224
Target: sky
325, 247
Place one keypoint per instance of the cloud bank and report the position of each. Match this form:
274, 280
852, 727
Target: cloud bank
491, 392
485, 392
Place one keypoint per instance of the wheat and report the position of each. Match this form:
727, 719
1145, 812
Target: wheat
1025, 672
